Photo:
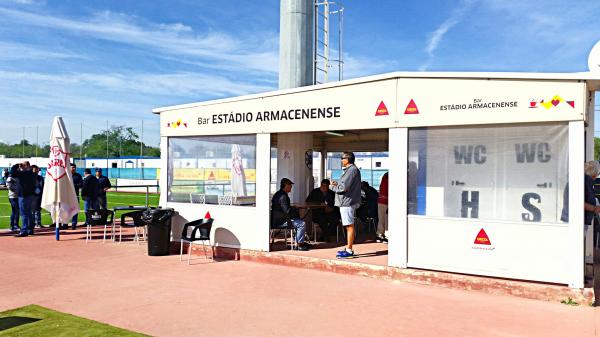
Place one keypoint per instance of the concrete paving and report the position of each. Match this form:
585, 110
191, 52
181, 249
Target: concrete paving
120, 285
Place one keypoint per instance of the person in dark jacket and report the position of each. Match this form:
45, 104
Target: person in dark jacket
36, 207
103, 186
590, 205
328, 217
27, 181
78, 184
12, 184
368, 203
282, 211
89, 192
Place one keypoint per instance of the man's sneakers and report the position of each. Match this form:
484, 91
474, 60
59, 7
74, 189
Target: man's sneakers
381, 239
345, 254
302, 247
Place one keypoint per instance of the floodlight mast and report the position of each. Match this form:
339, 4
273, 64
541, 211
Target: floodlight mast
296, 43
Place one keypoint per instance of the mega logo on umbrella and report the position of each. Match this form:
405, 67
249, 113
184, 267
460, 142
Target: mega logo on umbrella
57, 166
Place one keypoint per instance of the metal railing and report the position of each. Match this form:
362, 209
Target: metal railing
147, 187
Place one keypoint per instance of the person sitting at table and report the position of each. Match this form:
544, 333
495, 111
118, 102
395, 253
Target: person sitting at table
283, 211
328, 217
368, 204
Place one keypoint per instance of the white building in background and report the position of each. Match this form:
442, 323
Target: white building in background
39, 161
120, 162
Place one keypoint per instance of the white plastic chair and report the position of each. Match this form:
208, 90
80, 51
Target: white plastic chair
197, 198
225, 199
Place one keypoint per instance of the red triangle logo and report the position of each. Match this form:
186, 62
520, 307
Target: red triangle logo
381, 110
207, 216
411, 108
482, 238
571, 103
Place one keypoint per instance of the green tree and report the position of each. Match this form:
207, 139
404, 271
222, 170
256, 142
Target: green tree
23, 149
596, 148
118, 141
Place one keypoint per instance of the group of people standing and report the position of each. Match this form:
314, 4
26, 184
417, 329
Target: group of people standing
91, 188
26, 185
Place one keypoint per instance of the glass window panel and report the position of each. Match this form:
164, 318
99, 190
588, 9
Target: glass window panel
511, 173
205, 169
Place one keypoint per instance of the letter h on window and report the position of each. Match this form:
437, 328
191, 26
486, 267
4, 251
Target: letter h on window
473, 204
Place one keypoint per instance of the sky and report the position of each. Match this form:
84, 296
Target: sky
96, 61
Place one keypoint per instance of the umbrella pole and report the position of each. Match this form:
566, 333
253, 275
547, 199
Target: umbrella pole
57, 218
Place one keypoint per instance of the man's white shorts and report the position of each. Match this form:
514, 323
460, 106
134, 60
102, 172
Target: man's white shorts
347, 213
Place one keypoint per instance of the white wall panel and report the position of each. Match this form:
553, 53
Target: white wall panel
530, 252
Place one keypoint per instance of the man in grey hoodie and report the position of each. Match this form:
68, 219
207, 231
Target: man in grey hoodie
347, 198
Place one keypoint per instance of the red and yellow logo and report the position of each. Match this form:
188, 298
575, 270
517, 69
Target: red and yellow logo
381, 110
482, 238
411, 108
176, 124
548, 104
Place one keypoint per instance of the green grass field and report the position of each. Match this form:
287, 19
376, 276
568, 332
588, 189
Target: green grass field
114, 199
37, 321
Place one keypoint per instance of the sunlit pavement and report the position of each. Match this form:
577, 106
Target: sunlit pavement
120, 285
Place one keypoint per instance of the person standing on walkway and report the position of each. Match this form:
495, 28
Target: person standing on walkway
103, 186
12, 184
27, 181
77, 184
36, 207
89, 192
382, 210
347, 198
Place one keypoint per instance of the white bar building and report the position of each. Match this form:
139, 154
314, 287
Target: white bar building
483, 167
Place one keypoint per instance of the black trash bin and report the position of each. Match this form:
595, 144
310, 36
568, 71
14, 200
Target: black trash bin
159, 230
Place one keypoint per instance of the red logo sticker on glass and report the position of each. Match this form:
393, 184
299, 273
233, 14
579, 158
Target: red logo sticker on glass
411, 108
482, 238
381, 110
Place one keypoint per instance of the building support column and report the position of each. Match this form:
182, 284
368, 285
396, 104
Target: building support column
576, 233
164, 171
263, 177
291, 151
397, 198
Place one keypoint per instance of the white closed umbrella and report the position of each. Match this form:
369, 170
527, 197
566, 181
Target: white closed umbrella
59, 196
238, 178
